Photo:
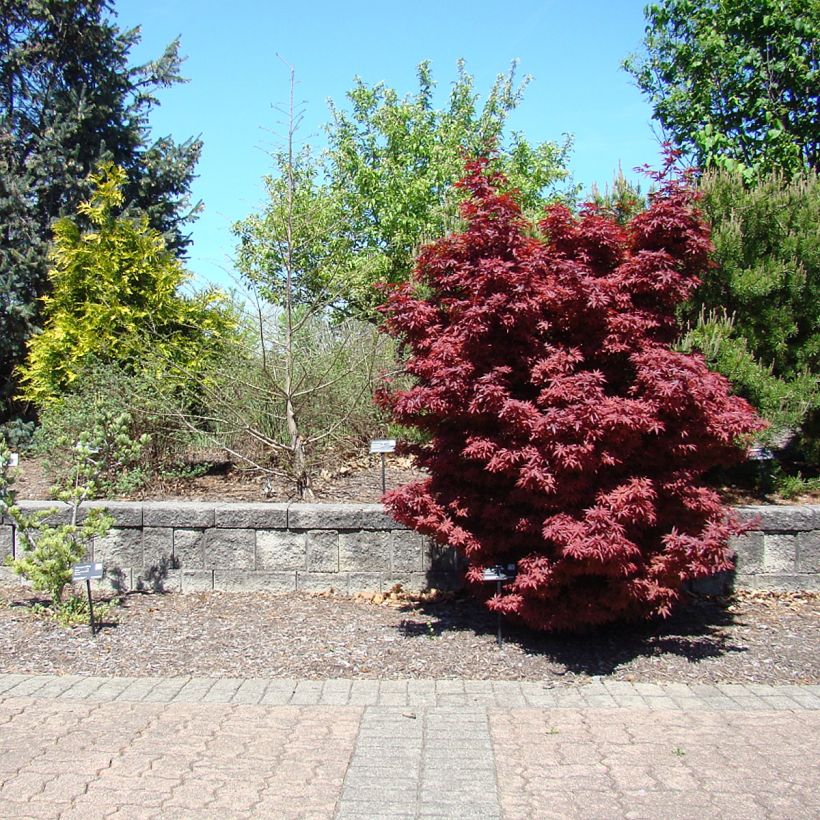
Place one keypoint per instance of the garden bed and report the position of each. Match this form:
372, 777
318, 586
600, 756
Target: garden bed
758, 637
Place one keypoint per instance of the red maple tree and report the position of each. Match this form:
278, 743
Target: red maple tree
565, 435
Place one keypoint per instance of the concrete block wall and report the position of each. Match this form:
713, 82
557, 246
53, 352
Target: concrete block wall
191, 547
782, 551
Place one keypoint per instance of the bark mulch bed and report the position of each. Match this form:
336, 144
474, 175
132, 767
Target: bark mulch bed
755, 637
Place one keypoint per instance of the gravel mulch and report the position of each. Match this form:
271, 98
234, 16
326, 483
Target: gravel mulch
764, 638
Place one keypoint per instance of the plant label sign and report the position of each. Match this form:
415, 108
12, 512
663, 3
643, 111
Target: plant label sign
86, 572
384, 445
499, 572
14, 459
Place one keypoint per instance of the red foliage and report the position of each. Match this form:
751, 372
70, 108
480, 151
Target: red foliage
565, 435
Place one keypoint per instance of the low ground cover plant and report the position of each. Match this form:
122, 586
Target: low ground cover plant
565, 434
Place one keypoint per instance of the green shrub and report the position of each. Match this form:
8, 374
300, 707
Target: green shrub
115, 295
135, 416
73, 611
47, 552
755, 315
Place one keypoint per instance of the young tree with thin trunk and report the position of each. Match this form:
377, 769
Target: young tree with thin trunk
306, 388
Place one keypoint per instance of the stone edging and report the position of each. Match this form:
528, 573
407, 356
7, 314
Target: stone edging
597, 694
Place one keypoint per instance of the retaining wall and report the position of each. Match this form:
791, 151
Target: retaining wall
191, 547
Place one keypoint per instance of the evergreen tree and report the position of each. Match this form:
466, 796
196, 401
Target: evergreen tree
114, 295
69, 100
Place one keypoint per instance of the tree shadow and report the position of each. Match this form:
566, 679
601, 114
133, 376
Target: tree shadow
697, 630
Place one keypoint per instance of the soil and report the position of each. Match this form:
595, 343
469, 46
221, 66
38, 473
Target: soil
763, 638
356, 481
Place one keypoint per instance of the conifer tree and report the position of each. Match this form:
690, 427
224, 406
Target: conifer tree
69, 99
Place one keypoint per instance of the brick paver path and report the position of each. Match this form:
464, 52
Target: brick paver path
89, 747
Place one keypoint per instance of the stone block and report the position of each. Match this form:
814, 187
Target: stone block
189, 548
776, 518
440, 558
365, 551
157, 546
228, 581
364, 582
58, 512
177, 514
408, 581
158, 578
323, 551
120, 548
791, 582
6, 541
406, 551
196, 580
278, 550
340, 517
749, 551
242, 516
442, 580
808, 551
718, 584
230, 549
779, 553
322, 581
117, 579
124, 513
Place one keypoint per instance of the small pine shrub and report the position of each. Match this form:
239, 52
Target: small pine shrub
47, 552
565, 435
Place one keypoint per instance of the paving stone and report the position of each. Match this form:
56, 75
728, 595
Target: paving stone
272, 747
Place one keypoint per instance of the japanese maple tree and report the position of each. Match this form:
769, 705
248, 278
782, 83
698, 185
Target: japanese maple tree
564, 433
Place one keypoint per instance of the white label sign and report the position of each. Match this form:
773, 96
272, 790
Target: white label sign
499, 573
86, 572
384, 445
14, 459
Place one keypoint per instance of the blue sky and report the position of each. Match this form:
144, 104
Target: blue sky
571, 49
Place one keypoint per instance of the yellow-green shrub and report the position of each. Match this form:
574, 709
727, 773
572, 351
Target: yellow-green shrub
114, 297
